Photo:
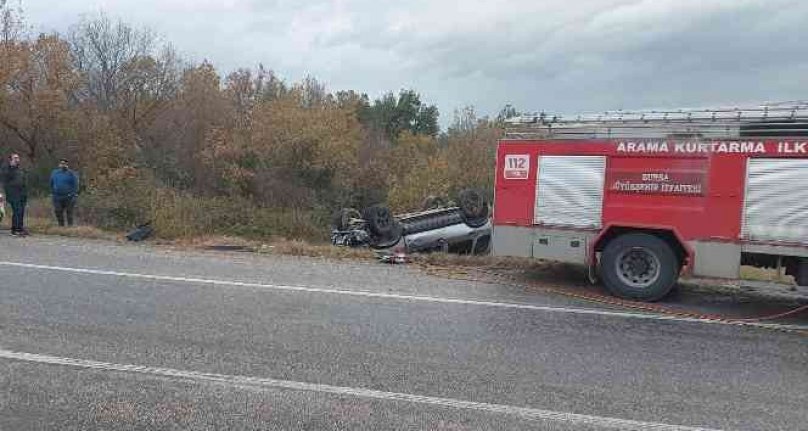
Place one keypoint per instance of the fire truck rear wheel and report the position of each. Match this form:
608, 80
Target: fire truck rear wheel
639, 266
801, 273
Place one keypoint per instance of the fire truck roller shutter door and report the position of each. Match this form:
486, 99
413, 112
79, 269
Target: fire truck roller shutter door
570, 191
776, 200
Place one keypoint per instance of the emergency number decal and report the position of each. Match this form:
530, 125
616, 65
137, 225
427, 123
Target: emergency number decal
517, 166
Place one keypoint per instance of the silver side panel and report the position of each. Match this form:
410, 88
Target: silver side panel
512, 241
776, 200
453, 234
562, 246
551, 244
717, 259
569, 191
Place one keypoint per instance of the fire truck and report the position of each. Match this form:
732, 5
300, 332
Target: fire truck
642, 197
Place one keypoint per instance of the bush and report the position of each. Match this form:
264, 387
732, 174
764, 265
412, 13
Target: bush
128, 197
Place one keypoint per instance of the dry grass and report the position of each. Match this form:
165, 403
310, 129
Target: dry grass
763, 274
37, 226
46, 226
41, 221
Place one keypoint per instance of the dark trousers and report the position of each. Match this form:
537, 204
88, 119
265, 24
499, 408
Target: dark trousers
17, 213
62, 206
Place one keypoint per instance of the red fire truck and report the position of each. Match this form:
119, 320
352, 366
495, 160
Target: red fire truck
641, 197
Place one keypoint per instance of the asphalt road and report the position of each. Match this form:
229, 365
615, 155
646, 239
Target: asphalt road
102, 336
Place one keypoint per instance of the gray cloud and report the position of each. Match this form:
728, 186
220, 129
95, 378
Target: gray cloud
574, 55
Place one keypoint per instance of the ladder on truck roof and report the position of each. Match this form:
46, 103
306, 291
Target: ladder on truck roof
765, 121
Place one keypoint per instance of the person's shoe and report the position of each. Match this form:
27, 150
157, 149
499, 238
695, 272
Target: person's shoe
15, 233
24, 232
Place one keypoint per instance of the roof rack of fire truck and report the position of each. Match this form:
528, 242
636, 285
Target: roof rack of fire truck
765, 121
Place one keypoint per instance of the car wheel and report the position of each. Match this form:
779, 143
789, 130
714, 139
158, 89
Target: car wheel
342, 218
639, 266
474, 207
379, 219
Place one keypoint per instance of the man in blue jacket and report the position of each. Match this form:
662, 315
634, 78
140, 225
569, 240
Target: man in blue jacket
64, 188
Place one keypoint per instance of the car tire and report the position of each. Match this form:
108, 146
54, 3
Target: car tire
389, 241
474, 207
342, 218
380, 221
639, 267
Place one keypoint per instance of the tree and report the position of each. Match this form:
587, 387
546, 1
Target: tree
11, 23
304, 147
406, 112
470, 146
417, 168
110, 55
426, 121
150, 83
178, 137
38, 78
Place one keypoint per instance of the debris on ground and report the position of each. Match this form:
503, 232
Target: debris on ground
394, 258
141, 232
350, 238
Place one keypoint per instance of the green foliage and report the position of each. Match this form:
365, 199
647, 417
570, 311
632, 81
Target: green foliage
394, 115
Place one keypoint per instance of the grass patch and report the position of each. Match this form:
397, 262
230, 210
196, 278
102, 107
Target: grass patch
40, 226
181, 218
764, 274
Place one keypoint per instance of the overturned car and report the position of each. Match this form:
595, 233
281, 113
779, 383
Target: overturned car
464, 227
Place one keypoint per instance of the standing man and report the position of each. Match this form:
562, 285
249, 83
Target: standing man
15, 184
64, 189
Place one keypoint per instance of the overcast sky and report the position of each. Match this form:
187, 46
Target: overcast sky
556, 55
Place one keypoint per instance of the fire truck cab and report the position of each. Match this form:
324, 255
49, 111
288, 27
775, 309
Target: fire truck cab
641, 197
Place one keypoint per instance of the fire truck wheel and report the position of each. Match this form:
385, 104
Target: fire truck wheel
639, 266
801, 273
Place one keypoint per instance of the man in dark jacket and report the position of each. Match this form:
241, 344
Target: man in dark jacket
64, 185
15, 185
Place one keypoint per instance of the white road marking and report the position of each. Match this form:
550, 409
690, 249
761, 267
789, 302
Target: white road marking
267, 383
395, 296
